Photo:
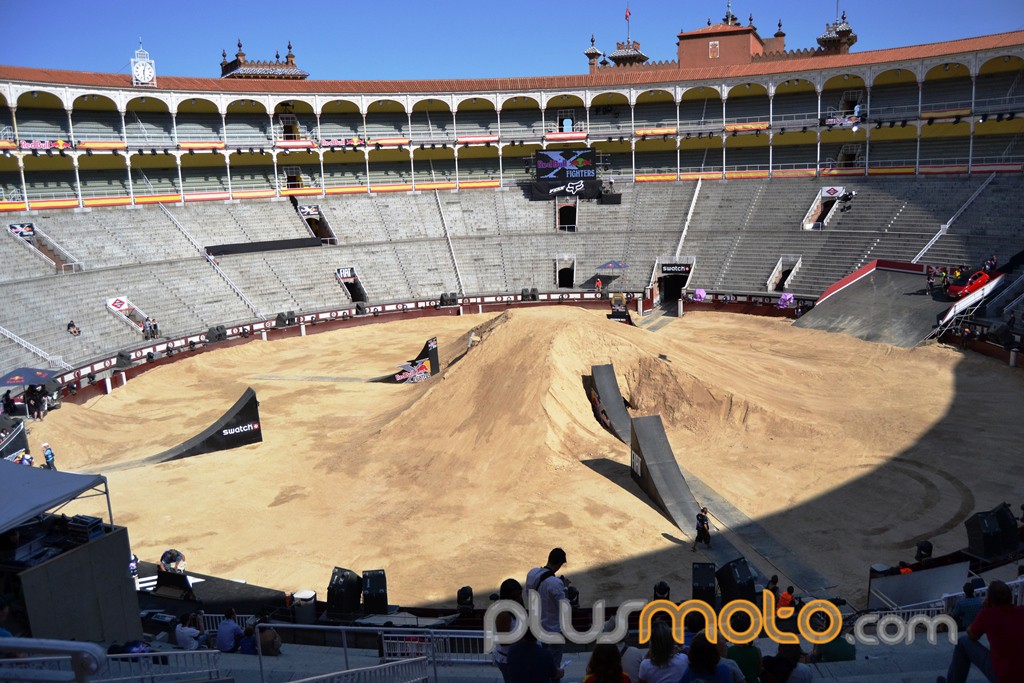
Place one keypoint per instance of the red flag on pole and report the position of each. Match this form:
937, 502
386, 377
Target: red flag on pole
628, 13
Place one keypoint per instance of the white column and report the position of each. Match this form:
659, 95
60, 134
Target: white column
128, 169
771, 133
970, 140
78, 182
24, 185
227, 165
917, 154
817, 156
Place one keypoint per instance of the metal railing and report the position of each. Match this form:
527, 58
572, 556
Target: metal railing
407, 671
87, 662
56, 361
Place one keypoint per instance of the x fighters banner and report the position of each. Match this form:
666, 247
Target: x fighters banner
566, 173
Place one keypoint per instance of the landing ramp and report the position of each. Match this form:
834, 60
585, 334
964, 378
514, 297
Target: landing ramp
655, 469
880, 305
608, 401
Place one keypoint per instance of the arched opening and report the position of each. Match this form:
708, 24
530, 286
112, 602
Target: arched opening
565, 114
747, 104
566, 275
344, 168
203, 173
103, 175
199, 123
94, 119
154, 175
519, 160
41, 118
340, 123
946, 87
251, 172
994, 131
297, 170
520, 118
50, 175
390, 167
147, 124
655, 113
476, 117
843, 106
610, 117
478, 163
248, 125
386, 119
567, 217
294, 120
432, 121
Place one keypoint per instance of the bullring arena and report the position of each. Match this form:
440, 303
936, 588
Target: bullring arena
807, 262
483, 468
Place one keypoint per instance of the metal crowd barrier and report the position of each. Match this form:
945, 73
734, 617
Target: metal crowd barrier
405, 671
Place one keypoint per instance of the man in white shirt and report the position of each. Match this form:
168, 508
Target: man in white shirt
189, 633
552, 592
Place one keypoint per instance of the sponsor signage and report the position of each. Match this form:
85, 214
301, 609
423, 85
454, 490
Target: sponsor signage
676, 268
841, 121
344, 274
45, 144
832, 192
310, 211
341, 142
22, 229
240, 428
546, 189
566, 164
422, 368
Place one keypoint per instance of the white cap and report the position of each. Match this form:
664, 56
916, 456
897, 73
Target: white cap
45, 444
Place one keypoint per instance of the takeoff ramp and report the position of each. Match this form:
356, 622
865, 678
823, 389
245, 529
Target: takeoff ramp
655, 469
607, 400
882, 302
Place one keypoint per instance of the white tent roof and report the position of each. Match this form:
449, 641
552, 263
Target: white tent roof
29, 491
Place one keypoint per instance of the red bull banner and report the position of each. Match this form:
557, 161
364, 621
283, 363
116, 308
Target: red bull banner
341, 142
565, 137
44, 144
566, 164
476, 139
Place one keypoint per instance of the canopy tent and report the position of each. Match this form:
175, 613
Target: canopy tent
29, 491
612, 266
23, 376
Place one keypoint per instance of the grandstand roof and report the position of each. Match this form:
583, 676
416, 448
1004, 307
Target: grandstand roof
609, 77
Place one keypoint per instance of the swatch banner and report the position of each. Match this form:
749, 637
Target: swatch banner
546, 189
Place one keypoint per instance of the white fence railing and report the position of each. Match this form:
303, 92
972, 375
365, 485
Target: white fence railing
407, 671
152, 667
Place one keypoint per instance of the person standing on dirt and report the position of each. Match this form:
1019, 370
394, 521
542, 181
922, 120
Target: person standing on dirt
703, 530
597, 284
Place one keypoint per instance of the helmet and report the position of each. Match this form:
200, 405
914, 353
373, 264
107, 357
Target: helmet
46, 445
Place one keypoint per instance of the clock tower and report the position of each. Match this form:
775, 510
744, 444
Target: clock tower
143, 69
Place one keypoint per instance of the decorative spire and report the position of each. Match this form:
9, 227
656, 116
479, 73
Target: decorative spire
289, 49
592, 53
277, 56
750, 19
223, 57
780, 33
709, 21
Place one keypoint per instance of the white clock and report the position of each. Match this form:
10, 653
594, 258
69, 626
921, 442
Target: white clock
143, 68
143, 71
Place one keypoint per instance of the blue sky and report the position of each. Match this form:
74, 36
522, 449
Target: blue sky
409, 39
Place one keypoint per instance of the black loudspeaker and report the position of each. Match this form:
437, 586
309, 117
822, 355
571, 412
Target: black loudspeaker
443, 299
375, 592
214, 334
51, 387
736, 579
703, 575
464, 599
992, 534
1001, 334
344, 591
360, 308
453, 298
524, 294
281, 320
222, 333
534, 294
610, 198
124, 360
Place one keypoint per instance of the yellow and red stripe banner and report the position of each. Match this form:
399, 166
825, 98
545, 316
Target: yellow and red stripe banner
12, 206
945, 114
795, 173
158, 199
390, 142
348, 189
655, 131
743, 127
253, 194
294, 144
476, 139
52, 204
565, 137
102, 144
885, 170
107, 201
207, 196
656, 177
200, 144
8, 144
736, 175
300, 192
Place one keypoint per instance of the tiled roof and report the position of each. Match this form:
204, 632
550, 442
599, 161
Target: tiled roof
272, 71
716, 29
603, 78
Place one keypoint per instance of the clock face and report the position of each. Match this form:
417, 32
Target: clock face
143, 71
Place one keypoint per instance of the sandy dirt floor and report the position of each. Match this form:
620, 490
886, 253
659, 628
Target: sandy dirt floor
845, 451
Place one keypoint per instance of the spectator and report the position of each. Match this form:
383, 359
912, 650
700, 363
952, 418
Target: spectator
631, 657
26, 459
229, 633
147, 330
605, 665
247, 644
528, 662
270, 640
836, 650
966, 608
552, 590
32, 401
664, 664
773, 586
1003, 623
49, 457
705, 663
1012, 320
8, 403
736, 674
905, 568
5, 611
154, 329
597, 284
788, 659
189, 633
748, 657
73, 329
173, 561
510, 590
786, 599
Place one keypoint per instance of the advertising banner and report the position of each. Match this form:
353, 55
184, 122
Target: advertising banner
546, 189
566, 164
